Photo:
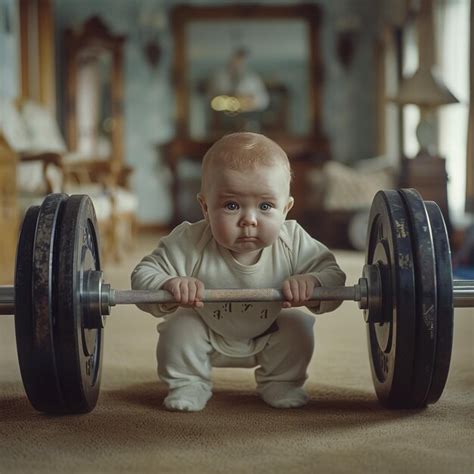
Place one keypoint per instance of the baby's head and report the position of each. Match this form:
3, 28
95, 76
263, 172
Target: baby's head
244, 152
245, 191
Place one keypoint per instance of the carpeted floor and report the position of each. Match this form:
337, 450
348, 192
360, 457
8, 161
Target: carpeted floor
343, 429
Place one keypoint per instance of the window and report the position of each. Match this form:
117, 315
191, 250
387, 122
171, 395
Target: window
452, 27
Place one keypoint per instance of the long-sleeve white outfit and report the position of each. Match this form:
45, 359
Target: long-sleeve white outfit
237, 334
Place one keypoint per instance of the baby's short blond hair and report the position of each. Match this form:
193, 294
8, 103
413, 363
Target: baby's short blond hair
244, 150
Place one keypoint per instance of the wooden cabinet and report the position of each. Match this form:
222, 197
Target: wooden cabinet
427, 174
8, 213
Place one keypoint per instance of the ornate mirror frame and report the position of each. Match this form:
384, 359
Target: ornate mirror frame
183, 15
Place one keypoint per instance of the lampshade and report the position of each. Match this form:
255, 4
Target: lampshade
424, 89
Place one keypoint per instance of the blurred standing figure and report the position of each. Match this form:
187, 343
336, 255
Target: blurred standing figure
237, 88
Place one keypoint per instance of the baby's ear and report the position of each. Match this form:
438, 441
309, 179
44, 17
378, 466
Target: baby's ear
202, 202
289, 205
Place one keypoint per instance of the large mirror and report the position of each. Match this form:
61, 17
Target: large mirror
247, 67
94, 83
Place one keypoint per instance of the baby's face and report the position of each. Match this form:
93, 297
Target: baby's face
247, 208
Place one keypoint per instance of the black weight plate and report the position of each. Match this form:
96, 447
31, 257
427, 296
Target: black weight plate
34, 301
391, 343
79, 349
23, 305
426, 296
445, 320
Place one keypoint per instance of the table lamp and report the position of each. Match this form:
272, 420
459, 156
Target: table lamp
426, 90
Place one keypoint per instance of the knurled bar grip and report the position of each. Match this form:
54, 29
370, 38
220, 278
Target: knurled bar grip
463, 295
340, 293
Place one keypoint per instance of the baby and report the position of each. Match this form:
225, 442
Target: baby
243, 241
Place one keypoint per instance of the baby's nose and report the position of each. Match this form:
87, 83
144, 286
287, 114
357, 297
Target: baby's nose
249, 218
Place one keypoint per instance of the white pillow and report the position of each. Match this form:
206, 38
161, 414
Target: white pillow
30, 178
13, 126
349, 189
42, 128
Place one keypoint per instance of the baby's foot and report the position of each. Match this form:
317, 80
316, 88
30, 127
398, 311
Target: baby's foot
188, 398
284, 395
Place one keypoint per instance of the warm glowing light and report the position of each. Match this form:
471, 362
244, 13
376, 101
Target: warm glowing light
226, 103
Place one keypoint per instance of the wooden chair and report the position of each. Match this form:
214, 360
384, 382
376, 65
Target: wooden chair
47, 166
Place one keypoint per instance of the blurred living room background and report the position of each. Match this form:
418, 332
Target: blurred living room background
120, 99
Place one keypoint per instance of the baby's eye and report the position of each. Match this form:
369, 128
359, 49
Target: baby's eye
231, 206
265, 206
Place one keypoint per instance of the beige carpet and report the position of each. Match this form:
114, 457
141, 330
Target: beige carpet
343, 429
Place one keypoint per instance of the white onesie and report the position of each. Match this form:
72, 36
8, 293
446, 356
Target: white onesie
279, 342
236, 329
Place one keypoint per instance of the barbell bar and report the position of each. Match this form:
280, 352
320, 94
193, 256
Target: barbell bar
60, 301
463, 295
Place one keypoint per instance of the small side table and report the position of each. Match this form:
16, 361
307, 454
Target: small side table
427, 174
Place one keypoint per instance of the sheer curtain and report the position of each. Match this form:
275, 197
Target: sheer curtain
411, 113
470, 130
452, 18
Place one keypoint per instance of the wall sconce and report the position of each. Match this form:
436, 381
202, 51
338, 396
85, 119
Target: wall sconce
151, 21
152, 51
347, 37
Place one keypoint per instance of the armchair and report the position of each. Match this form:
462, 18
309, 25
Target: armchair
45, 165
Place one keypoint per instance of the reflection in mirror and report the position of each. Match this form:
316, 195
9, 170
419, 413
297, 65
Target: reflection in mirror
239, 80
94, 114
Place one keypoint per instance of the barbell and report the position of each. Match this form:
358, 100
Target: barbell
60, 301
